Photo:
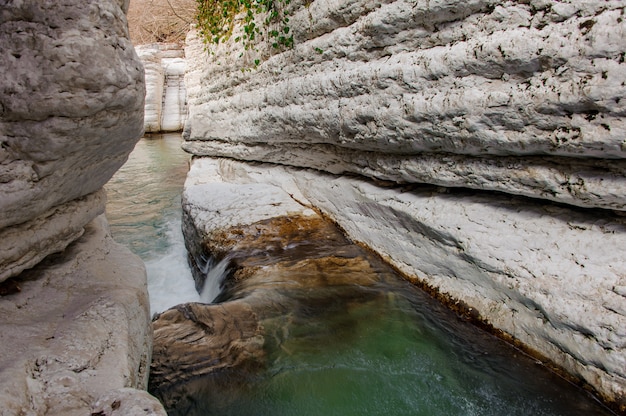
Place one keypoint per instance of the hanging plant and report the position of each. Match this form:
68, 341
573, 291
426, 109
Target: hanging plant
217, 19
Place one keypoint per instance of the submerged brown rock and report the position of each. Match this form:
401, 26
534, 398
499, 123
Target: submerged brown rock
196, 339
282, 269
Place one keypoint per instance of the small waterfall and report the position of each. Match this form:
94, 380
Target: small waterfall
215, 275
144, 213
170, 282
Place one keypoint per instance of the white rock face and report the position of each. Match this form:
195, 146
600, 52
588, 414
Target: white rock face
166, 102
71, 110
220, 204
519, 99
79, 329
75, 325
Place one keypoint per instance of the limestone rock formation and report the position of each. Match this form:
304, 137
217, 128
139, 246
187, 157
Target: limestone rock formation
467, 122
70, 113
166, 105
74, 307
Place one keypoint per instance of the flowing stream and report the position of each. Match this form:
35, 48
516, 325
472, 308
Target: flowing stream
144, 213
392, 350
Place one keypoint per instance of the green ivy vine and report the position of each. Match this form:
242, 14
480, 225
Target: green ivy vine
216, 21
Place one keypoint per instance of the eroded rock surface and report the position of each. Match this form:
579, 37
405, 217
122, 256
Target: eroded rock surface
522, 98
28, 243
71, 110
74, 305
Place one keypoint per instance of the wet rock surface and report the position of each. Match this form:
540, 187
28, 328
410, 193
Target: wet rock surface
194, 340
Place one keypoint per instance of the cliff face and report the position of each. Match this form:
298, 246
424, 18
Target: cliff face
75, 325
69, 118
450, 93
166, 105
466, 121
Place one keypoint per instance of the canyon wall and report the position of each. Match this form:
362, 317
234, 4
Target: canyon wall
166, 105
476, 146
74, 304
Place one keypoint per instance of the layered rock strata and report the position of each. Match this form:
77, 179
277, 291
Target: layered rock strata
166, 105
517, 98
523, 100
75, 325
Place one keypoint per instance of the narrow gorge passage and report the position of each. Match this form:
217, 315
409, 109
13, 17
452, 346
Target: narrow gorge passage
312, 324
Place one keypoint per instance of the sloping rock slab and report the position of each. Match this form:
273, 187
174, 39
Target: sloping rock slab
73, 328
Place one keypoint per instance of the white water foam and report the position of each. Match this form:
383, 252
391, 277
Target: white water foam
215, 275
170, 282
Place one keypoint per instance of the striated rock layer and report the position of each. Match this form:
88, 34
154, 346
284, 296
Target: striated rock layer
523, 100
516, 97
